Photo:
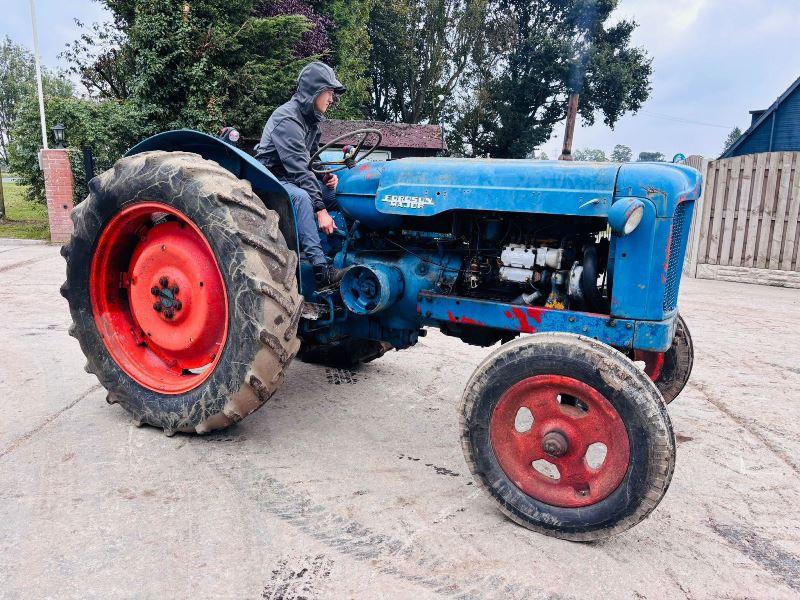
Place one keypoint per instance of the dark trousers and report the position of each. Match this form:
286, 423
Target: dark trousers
307, 228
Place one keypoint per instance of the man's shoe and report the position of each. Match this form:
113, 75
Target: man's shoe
327, 275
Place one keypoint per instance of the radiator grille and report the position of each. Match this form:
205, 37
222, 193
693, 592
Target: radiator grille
681, 223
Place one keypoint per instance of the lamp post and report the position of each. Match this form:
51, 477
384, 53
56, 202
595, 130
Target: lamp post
58, 135
38, 73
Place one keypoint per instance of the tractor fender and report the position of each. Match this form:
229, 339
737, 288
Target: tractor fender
238, 162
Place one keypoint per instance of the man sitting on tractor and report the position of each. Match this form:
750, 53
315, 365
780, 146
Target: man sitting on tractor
290, 137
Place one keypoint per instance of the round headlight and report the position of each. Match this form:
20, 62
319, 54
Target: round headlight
634, 218
625, 215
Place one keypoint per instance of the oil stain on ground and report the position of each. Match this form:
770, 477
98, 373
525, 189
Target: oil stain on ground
298, 578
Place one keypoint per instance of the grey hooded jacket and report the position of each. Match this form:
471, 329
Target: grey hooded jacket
291, 134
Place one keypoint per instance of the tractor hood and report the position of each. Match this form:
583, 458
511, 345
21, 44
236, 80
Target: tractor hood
427, 186
422, 187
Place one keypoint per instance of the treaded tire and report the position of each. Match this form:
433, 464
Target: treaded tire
678, 363
258, 272
633, 396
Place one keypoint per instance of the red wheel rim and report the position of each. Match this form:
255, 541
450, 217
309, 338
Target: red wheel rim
569, 417
158, 298
653, 362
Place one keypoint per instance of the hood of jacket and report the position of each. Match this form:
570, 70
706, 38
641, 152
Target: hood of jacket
315, 78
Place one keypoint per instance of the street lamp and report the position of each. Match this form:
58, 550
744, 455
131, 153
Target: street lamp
58, 135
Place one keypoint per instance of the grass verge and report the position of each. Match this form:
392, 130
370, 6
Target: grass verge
24, 219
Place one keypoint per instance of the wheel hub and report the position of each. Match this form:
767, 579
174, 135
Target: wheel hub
159, 297
554, 460
166, 298
555, 443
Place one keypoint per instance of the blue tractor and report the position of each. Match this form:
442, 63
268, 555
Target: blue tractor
189, 297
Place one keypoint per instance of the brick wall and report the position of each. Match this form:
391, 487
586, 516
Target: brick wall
58, 185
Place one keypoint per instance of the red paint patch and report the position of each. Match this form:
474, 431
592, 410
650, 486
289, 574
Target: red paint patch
468, 321
524, 326
535, 313
463, 320
364, 167
508, 314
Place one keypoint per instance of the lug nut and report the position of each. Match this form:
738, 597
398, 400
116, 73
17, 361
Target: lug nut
163, 281
157, 306
178, 305
155, 291
175, 289
168, 313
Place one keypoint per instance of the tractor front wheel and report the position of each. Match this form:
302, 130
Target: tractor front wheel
670, 370
567, 436
182, 291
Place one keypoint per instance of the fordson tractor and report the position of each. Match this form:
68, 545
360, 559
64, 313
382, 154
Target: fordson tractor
190, 297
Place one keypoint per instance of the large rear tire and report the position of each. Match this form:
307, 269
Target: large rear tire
182, 291
545, 468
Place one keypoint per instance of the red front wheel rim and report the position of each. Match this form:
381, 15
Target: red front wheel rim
653, 363
570, 422
158, 298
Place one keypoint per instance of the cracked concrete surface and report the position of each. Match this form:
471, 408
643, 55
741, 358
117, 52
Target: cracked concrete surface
352, 485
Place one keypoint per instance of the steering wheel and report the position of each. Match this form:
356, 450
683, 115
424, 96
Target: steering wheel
350, 153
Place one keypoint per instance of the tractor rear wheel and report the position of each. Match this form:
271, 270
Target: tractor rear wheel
568, 436
670, 370
182, 291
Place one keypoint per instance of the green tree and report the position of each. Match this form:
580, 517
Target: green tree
651, 157
84, 121
197, 63
732, 138
420, 52
551, 48
204, 64
622, 153
590, 154
20, 128
16, 81
102, 60
350, 53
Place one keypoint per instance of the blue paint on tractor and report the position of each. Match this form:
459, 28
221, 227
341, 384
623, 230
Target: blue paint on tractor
620, 333
367, 288
489, 249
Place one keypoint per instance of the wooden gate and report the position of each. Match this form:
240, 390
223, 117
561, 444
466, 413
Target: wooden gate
747, 224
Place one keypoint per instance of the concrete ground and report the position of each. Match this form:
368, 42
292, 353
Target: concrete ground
353, 485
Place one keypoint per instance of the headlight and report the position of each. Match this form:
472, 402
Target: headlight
625, 215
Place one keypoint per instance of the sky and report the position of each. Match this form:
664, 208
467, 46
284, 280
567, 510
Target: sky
713, 61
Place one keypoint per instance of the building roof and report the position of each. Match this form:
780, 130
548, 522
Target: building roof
763, 117
395, 135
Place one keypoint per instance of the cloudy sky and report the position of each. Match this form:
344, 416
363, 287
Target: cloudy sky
713, 61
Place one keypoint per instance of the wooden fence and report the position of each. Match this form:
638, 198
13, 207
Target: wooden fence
747, 223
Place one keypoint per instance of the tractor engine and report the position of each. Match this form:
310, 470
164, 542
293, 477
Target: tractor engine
559, 272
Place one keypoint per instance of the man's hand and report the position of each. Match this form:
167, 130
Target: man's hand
331, 181
326, 224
